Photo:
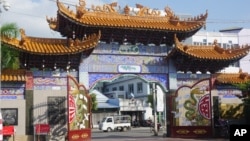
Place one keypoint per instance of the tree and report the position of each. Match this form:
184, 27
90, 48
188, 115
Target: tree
9, 56
245, 88
93, 106
93, 102
151, 100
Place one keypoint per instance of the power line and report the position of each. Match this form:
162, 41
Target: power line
208, 21
30, 15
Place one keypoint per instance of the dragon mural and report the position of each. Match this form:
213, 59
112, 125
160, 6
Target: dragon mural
196, 112
193, 105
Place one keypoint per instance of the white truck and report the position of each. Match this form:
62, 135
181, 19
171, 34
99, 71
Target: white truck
115, 123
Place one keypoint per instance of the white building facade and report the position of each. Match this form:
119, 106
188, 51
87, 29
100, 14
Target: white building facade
227, 39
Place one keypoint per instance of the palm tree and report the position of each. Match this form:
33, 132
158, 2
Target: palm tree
9, 56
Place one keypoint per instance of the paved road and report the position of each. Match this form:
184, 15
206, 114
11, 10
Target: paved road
139, 134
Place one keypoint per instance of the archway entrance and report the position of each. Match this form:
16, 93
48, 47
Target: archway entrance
132, 94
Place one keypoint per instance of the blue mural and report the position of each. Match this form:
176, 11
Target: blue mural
107, 58
114, 48
12, 91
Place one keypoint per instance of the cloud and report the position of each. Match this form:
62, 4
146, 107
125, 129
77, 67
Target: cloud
31, 15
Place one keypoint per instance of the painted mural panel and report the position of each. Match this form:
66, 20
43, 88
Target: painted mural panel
109, 58
114, 48
11, 91
230, 105
52, 83
50, 79
78, 111
110, 63
193, 105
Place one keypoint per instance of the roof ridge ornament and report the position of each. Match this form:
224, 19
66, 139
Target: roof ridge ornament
145, 11
24, 38
105, 8
169, 13
81, 9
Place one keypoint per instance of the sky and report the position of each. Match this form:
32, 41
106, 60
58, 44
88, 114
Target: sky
222, 14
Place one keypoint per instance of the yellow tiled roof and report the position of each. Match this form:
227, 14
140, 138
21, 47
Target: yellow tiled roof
145, 18
232, 77
13, 75
48, 46
212, 52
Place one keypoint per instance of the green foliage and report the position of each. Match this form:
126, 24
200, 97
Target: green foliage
94, 102
10, 29
151, 100
245, 88
9, 56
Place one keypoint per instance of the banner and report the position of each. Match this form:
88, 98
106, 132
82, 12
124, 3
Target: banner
160, 99
78, 112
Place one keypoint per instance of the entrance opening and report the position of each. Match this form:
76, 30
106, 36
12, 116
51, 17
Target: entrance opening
126, 94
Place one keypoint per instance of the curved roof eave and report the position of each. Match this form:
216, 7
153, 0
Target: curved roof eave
211, 52
110, 18
236, 78
48, 46
10, 75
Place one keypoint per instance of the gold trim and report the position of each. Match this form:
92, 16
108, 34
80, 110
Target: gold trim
182, 131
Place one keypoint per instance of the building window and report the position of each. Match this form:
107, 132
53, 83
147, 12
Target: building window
56, 110
151, 87
204, 41
230, 43
139, 87
131, 88
224, 45
114, 88
121, 88
106, 90
235, 45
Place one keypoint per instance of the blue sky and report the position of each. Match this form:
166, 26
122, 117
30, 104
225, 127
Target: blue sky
31, 14
221, 13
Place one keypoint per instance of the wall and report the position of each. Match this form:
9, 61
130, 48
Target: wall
41, 111
20, 105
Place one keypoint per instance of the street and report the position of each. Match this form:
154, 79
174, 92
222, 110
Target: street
139, 134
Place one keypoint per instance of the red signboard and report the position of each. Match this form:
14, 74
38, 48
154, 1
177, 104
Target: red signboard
8, 130
42, 128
